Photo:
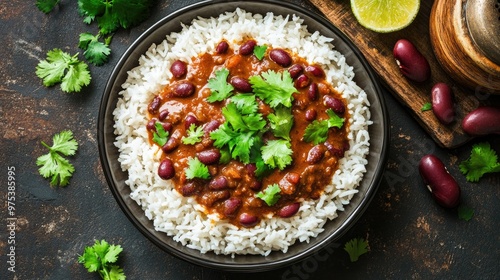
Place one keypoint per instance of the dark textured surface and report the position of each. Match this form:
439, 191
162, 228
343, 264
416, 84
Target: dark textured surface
409, 235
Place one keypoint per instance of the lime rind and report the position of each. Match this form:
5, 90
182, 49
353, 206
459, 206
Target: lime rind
385, 16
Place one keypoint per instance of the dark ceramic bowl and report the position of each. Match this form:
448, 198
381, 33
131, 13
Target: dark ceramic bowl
334, 229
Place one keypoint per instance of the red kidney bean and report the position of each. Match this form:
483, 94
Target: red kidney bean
482, 121
178, 68
248, 220
334, 103
442, 103
167, 126
281, 57
211, 126
313, 92
184, 89
189, 120
154, 105
231, 206
166, 169
210, 156
292, 177
247, 47
315, 71
335, 151
315, 154
218, 183
188, 189
411, 62
163, 114
171, 144
442, 185
302, 81
251, 168
255, 185
222, 47
289, 210
151, 125
295, 70
212, 197
311, 115
241, 84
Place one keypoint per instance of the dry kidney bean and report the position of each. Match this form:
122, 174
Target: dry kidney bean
248, 220
183, 89
442, 185
482, 121
218, 183
289, 210
315, 154
442, 103
166, 169
222, 47
312, 92
240, 84
334, 103
189, 120
171, 144
315, 71
231, 206
302, 81
295, 70
163, 114
411, 62
178, 68
188, 189
154, 105
311, 115
281, 57
210, 156
247, 47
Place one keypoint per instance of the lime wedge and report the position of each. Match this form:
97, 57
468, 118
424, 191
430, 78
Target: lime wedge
385, 15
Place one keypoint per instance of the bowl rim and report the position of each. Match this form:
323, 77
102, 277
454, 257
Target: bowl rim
263, 265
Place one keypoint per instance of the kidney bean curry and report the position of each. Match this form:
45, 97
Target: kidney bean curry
249, 132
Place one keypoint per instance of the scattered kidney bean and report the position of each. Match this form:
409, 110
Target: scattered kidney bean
302, 81
231, 206
281, 57
240, 84
482, 121
163, 115
218, 183
166, 169
247, 47
315, 154
178, 68
248, 220
411, 62
334, 103
171, 144
183, 89
222, 47
442, 103
289, 210
442, 185
189, 120
188, 189
315, 71
313, 92
154, 105
295, 70
210, 156
311, 115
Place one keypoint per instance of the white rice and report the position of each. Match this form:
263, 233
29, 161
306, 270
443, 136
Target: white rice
181, 217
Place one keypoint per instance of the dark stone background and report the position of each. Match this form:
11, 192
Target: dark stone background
410, 236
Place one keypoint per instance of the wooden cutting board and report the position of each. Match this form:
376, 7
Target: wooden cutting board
377, 48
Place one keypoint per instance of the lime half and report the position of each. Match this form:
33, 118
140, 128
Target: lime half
385, 15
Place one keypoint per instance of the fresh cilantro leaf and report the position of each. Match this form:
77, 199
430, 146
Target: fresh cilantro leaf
246, 103
241, 146
85, 39
160, 136
196, 169
46, 6
220, 88
482, 160
95, 51
194, 135
356, 247
54, 164
101, 258
223, 135
281, 122
60, 67
260, 51
270, 195
277, 153
274, 88
465, 213
426, 107
317, 131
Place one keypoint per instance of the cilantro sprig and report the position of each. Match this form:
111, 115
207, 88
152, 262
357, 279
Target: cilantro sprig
53, 165
317, 131
274, 88
46, 6
220, 88
61, 67
160, 136
355, 248
100, 258
194, 135
95, 51
482, 160
260, 51
465, 213
426, 107
270, 195
277, 153
196, 169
